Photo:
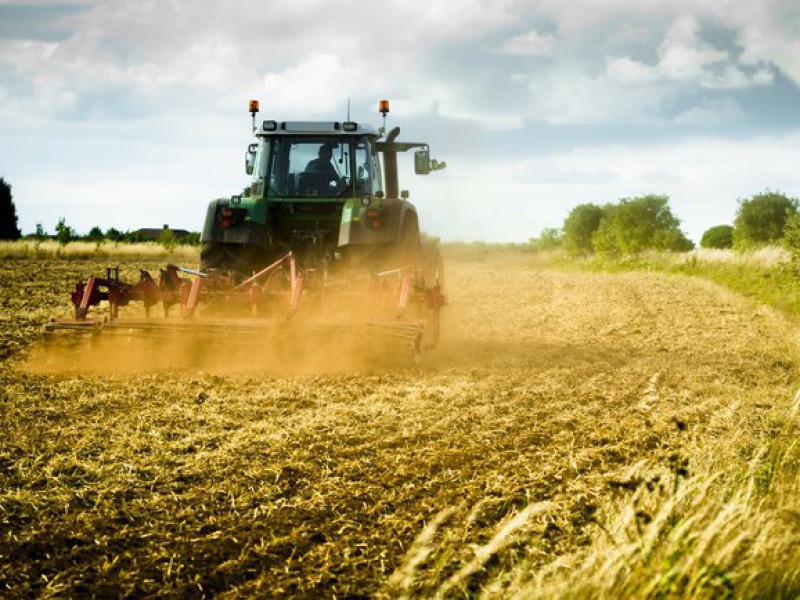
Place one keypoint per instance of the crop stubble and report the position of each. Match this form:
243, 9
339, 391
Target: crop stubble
547, 389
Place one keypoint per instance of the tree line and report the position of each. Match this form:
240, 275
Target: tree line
166, 236
63, 233
628, 226
633, 225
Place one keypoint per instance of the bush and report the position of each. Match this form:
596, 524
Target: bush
637, 224
64, 233
168, 239
718, 238
549, 239
791, 236
579, 227
761, 219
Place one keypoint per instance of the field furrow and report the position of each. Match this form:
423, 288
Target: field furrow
548, 391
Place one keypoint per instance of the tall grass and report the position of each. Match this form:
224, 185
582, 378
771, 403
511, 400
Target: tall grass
766, 257
732, 529
766, 275
729, 529
51, 249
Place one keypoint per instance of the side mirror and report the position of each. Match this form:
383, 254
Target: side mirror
250, 159
422, 162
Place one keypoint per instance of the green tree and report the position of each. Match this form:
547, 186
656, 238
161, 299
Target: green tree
761, 219
579, 227
637, 224
549, 239
95, 234
9, 228
191, 239
718, 237
168, 239
64, 233
113, 234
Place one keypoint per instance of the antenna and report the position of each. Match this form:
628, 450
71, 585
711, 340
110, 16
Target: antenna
348, 109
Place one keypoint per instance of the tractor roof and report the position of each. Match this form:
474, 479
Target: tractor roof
337, 128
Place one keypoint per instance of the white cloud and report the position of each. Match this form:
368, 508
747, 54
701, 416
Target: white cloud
319, 84
628, 71
531, 43
632, 91
648, 56
716, 112
683, 56
569, 96
766, 30
734, 77
158, 47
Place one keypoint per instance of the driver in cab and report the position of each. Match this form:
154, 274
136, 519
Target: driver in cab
322, 164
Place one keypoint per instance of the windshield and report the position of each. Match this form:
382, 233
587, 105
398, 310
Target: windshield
320, 166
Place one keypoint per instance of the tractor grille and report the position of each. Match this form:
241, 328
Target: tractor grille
312, 208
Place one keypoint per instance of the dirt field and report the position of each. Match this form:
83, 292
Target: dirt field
500, 451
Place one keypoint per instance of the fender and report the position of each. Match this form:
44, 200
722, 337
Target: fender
379, 222
241, 227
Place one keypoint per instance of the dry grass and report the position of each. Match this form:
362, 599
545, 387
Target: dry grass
576, 435
761, 258
51, 249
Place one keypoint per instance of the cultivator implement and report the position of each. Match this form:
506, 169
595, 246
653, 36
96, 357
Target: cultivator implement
389, 313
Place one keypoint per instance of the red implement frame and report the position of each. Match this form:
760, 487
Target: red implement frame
278, 287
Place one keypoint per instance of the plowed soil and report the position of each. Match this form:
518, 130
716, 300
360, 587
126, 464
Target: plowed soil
279, 482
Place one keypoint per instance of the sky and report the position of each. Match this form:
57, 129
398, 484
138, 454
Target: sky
124, 114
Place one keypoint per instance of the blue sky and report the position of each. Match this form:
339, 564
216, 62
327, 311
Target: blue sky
134, 114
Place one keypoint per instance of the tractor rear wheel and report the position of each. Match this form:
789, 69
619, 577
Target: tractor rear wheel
407, 252
433, 265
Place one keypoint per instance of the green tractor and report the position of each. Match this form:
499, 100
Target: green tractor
322, 240
327, 192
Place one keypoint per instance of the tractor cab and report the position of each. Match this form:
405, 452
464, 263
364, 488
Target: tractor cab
302, 160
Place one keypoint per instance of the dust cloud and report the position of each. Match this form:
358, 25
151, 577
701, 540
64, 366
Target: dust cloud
294, 350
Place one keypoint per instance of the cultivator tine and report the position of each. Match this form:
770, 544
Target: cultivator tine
70, 332
405, 291
396, 340
373, 309
287, 258
297, 290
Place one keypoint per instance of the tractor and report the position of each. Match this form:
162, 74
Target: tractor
322, 239
328, 192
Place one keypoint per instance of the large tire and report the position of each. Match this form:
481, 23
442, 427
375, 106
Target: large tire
408, 251
243, 259
433, 265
